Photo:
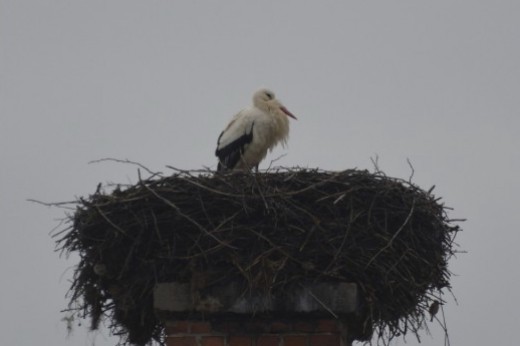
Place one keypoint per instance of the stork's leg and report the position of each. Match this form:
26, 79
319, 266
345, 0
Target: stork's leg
256, 168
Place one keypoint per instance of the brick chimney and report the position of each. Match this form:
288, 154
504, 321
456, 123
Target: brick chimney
312, 315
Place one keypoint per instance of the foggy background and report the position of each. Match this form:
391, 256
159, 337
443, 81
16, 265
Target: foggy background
435, 82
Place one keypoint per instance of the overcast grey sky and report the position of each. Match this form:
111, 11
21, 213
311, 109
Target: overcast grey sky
155, 81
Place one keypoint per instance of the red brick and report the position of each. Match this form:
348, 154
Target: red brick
229, 327
268, 340
256, 327
304, 326
295, 340
239, 341
327, 326
200, 327
213, 341
324, 340
177, 327
280, 327
181, 341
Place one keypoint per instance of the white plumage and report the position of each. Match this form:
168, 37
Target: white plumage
252, 132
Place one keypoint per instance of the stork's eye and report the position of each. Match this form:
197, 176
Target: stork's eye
269, 95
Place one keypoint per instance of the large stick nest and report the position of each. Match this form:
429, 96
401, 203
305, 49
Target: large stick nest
268, 231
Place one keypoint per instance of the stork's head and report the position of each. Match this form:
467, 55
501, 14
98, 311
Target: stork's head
266, 101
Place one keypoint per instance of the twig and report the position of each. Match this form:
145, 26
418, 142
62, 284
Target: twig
394, 236
126, 161
322, 303
375, 163
413, 170
274, 160
209, 188
199, 226
108, 220
54, 204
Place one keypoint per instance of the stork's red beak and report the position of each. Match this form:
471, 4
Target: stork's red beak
287, 112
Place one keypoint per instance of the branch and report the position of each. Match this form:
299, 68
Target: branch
126, 161
54, 204
394, 236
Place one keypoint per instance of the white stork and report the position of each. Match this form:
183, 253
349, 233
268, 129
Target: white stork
252, 132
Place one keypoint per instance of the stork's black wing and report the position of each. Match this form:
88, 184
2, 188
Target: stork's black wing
229, 155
